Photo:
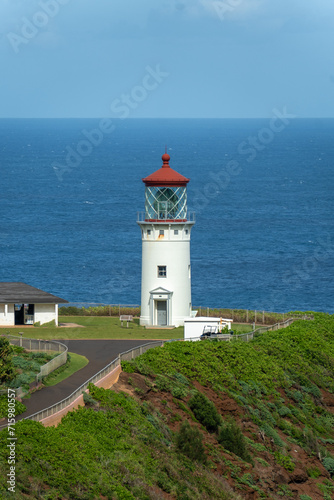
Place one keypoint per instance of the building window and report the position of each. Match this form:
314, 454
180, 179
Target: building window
186, 231
176, 231
148, 232
162, 271
162, 232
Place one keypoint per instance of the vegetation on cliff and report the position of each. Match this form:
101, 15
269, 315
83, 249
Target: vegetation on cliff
197, 420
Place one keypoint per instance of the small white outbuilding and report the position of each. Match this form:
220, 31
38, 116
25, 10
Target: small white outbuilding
22, 304
193, 327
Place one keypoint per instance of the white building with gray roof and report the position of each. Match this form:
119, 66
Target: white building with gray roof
22, 304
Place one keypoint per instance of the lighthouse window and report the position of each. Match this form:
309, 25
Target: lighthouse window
149, 231
162, 271
176, 231
162, 232
186, 231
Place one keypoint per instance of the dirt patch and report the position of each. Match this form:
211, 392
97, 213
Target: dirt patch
71, 325
273, 479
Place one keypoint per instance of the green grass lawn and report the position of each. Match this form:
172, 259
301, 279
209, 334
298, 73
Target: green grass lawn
242, 328
96, 327
105, 327
76, 363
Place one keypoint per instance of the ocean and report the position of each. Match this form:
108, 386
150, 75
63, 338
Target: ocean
262, 191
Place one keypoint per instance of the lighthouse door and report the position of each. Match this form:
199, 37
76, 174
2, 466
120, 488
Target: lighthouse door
162, 312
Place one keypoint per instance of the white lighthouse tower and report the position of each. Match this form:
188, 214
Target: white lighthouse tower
165, 227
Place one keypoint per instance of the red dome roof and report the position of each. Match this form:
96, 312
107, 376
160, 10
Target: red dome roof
166, 176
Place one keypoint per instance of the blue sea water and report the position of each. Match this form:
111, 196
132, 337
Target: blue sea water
263, 237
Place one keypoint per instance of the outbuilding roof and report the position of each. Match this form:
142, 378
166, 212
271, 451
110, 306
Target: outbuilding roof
21, 293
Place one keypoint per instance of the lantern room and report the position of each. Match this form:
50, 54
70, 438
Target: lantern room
165, 195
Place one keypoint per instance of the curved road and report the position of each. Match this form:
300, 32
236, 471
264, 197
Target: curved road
99, 353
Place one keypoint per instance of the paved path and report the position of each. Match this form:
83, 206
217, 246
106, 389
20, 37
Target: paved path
98, 352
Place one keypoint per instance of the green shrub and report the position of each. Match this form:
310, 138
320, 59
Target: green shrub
163, 383
69, 311
262, 462
205, 412
7, 370
285, 461
313, 389
283, 411
24, 379
328, 463
297, 396
247, 479
181, 379
106, 310
17, 349
128, 367
313, 473
42, 356
265, 415
179, 392
270, 432
327, 488
19, 407
284, 490
26, 364
189, 441
88, 399
310, 441
231, 437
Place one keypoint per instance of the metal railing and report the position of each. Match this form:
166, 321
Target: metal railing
190, 217
124, 356
246, 337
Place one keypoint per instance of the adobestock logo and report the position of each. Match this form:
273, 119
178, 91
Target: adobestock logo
30, 28
92, 139
265, 135
219, 181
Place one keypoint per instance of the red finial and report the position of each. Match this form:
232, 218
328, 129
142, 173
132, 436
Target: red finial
165, 158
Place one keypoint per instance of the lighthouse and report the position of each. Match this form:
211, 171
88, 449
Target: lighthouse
165, 228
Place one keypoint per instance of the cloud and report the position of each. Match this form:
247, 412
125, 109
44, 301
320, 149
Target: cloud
230, 10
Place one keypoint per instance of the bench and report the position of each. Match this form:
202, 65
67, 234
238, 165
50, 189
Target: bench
126, 318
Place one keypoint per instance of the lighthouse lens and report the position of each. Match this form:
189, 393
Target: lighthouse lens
166, 203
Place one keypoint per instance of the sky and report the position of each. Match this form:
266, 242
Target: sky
166, 58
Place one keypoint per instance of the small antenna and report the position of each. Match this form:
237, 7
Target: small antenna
165, 149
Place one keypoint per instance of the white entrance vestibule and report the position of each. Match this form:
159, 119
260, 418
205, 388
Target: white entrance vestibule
161, 306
